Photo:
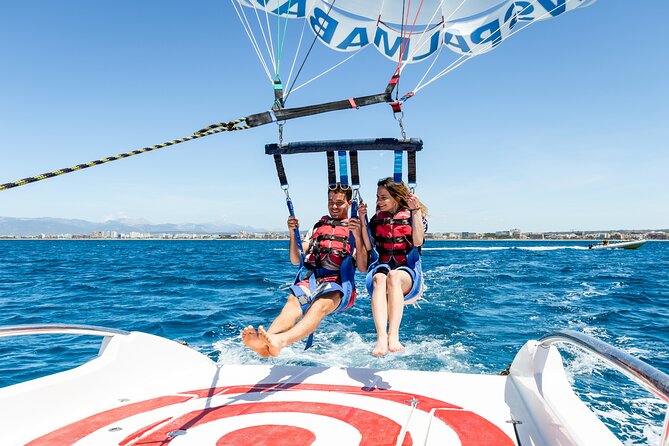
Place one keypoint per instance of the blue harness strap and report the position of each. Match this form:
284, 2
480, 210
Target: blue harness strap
397, 174
343, 170
413, 268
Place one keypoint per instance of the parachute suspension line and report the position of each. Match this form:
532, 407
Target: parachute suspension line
541, 17
397, 104
402, 45
304, 61
254, 43
299, 45
441, 48
270, 46
280, 40
327, 71
224, 127
422, 42
413, 25
465, 57
455, 64
277, 54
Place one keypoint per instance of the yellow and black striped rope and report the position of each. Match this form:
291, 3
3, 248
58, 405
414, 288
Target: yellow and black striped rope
213, 129
224, 127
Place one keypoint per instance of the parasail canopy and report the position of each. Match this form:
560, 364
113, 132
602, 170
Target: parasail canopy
414, 30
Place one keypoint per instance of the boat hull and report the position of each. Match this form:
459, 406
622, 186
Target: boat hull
143, 389
633, 244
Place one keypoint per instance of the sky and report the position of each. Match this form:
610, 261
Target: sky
562, 127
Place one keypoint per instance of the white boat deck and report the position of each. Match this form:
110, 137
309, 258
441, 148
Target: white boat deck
146, 390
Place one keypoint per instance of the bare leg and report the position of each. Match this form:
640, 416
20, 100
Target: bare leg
254, 342
323, 306
399, 282
288, 317
380, 314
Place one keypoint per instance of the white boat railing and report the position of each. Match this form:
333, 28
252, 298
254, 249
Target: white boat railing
648, 377
34, 329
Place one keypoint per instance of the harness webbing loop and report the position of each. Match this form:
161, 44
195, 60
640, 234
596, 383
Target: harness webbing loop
343, 168
283, 180
332, 169
411, 170
280, 171
355, 175
397, 171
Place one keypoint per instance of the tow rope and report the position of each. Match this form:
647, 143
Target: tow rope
255, 120
228, 127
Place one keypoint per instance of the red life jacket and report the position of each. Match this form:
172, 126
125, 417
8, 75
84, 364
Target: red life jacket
329, 244
393, 236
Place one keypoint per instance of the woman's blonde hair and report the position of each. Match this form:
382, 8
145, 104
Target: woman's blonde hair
399, 192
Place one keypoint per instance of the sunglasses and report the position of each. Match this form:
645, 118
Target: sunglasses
339, 186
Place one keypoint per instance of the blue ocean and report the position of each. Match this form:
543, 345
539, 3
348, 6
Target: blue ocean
483, 301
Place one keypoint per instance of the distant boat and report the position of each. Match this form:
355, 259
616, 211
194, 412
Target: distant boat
630, 244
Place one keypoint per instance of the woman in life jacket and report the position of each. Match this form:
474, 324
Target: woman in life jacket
395, 277
330, 286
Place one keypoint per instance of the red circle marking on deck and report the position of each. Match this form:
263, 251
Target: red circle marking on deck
471, 428
268, 435
374, 428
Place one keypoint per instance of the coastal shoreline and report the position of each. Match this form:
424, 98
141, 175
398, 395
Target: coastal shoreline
231, 239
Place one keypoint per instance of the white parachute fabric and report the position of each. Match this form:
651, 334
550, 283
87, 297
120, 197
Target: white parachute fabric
415, 30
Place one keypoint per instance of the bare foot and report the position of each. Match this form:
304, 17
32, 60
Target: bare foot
274, 342
381, 346
394, 344
254, 342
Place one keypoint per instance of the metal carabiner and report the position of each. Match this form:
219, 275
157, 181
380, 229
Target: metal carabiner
356, 194
280, 132
399, 121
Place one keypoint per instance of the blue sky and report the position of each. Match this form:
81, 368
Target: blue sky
563, 126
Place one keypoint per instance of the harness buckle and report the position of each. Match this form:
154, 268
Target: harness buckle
280, 133
399, 121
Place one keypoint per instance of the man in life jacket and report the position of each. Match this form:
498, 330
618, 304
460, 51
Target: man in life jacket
329, 255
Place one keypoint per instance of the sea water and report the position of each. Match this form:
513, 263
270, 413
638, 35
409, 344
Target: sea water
483, 301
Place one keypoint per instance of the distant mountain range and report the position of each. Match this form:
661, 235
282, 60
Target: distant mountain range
53, 226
